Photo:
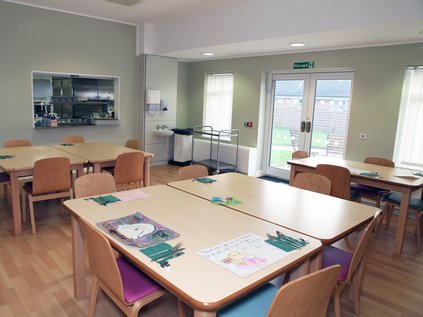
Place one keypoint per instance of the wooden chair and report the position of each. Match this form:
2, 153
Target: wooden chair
17, 143
340, 178
369, 192
51, 179
4, 179
299, 155
129, 171
416, 207
352, 267
72, 139
94, 184
127, 286
314, 182
133, 144
192, 171
307, 296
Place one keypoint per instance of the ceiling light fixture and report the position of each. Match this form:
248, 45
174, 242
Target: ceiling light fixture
297, 44
208, 54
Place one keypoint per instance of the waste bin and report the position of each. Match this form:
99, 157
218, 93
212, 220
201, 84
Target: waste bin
182, 147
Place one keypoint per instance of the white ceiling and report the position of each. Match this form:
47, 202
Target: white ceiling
231, 28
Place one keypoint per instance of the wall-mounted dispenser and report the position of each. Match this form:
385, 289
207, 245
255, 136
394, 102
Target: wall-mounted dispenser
152, 101
164, 105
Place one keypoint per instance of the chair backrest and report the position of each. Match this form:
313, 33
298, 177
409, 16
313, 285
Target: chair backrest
340, 178
299, 155
129, 168
72, 139
133, 144
192, 171
307, 296
362, 246
94, 184
379, 161
51, 174
102, 259
314, 182
17, 143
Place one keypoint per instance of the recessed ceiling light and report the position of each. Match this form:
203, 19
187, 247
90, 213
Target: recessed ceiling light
297, 44
208, 54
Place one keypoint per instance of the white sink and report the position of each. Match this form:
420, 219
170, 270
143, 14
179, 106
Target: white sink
163, 133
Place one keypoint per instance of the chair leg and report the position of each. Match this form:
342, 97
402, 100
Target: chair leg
31, 214
7, 193
181, 308
384, 214
389, 215
337, 301
93, 301
418, 231
24, 198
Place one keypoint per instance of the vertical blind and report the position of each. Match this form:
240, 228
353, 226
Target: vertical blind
408, 150
218, 101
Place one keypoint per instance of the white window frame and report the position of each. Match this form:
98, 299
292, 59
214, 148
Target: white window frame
218, 101
408, 151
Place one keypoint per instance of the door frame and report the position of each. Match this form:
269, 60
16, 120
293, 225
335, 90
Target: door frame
270, 100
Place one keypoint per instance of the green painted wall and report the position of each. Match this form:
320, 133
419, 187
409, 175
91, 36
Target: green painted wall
379, 73
33, 39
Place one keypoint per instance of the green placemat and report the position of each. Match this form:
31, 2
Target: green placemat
104, 200
162, 252
418, 174
6, 156
281, 245
370, 174
205, 180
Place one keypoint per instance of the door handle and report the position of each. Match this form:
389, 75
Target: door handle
308, 127
303, 126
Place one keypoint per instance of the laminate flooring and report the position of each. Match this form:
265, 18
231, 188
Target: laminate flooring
36, 270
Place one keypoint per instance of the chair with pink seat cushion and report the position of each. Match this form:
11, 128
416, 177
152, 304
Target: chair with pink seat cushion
352, 267
127, 286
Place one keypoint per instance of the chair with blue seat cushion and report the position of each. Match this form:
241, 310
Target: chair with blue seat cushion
127, 286
307, 296
416, 207
352, 266
340, 178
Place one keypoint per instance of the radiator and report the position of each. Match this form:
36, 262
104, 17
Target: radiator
247, 156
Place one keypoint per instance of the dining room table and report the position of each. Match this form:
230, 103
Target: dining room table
216, 267
390, 178
322, 217
18, 162
104, 154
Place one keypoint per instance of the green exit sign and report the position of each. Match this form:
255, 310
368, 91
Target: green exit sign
303, 65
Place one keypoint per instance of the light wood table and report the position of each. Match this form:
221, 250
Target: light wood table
23, 165
199, 282
320, 216
388, 180
102, 154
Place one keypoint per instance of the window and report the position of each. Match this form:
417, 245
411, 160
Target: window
408, 150
217, 111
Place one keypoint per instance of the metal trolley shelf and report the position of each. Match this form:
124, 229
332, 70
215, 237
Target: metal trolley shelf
215, 137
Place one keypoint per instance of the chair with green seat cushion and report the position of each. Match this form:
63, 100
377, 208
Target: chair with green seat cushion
416, 207
307, 296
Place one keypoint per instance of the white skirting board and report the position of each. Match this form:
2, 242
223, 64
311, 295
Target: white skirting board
247, 156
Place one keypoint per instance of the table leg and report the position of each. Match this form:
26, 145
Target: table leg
292, 175
147, 171
96, 167
78, 256
199, 313
16, 206
402, 220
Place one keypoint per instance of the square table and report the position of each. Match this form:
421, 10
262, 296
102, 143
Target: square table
323, 217
391, 178
197, 281
103, 154
22, 164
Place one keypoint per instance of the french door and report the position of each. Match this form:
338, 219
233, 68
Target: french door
308, 111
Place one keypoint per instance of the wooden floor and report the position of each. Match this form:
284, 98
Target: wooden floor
36, 271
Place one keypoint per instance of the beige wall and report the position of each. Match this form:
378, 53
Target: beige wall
33, 39
377, 88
